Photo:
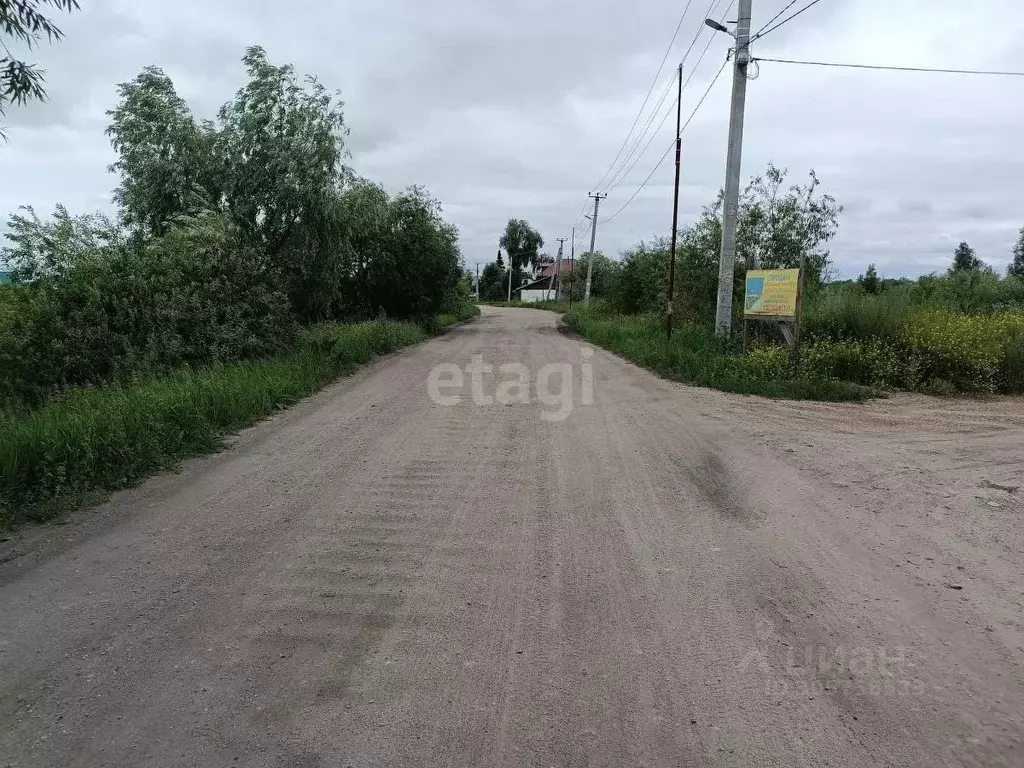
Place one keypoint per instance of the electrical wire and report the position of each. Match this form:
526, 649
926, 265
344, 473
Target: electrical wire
897, 69
711, 8
772, 19
624, 171
617, 177
784, 21
667, 151
650, 90
664, 117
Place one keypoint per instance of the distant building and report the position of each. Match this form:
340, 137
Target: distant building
543, 286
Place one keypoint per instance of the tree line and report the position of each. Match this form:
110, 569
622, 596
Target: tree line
780, 224
230, 234
965, 263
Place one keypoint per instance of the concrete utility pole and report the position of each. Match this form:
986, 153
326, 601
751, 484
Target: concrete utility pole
730, 215
558, 268
593, 239
478, 281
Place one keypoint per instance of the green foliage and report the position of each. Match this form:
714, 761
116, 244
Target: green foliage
166, 161
418, 266
95, 440
604, 278
779, 225
697, 256
1016, 268
493, 282
931, 349
39, 249
695, 356
643, 279
964, 260
870, 281
970, 351
769, 361
193, 297
463, 312
850, 313
22, 21
522, 243
230, 235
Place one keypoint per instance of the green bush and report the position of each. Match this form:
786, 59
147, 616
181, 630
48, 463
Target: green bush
696, 356
192, 297
768, 361
971, 351
1013, 364
463, 312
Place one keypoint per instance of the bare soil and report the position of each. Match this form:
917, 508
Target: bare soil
669, 576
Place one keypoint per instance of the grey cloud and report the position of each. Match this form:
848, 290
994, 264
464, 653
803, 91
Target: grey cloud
517, 108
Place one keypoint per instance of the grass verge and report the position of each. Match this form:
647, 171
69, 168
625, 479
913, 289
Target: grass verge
87, 442
695, 356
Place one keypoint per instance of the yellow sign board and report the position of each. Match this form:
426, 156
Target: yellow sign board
771, 292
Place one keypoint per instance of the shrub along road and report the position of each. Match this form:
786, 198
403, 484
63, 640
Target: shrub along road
669, 576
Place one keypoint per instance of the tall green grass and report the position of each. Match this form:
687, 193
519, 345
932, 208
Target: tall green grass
695, 356
89, 441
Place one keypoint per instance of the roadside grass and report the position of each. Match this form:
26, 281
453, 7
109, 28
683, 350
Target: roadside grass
89, 441
695, 356
467, 311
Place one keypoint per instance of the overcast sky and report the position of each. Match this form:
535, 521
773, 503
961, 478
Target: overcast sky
517, 108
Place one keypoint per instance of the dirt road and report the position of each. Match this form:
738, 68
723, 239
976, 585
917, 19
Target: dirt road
668, 576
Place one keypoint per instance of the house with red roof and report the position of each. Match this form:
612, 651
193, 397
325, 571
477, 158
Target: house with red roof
544, 285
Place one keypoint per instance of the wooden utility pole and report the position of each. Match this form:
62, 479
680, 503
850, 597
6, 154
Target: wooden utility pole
558, 266
572, 264
593, 239
675, 207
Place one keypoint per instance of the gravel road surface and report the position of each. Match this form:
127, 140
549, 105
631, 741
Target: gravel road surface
667, 577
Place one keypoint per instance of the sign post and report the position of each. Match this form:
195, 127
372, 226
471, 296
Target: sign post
775, 295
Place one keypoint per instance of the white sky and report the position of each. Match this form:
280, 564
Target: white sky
517, 108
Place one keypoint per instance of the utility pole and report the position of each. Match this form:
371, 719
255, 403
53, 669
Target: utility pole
572, 264
509, 273
558, 267
593, 239
730, 214
478, 281
675, 207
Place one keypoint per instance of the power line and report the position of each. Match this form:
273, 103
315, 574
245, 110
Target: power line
619, 175
789, 5
623, 171
650, 90
670, 147
785, 20
896, 69
711, 8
